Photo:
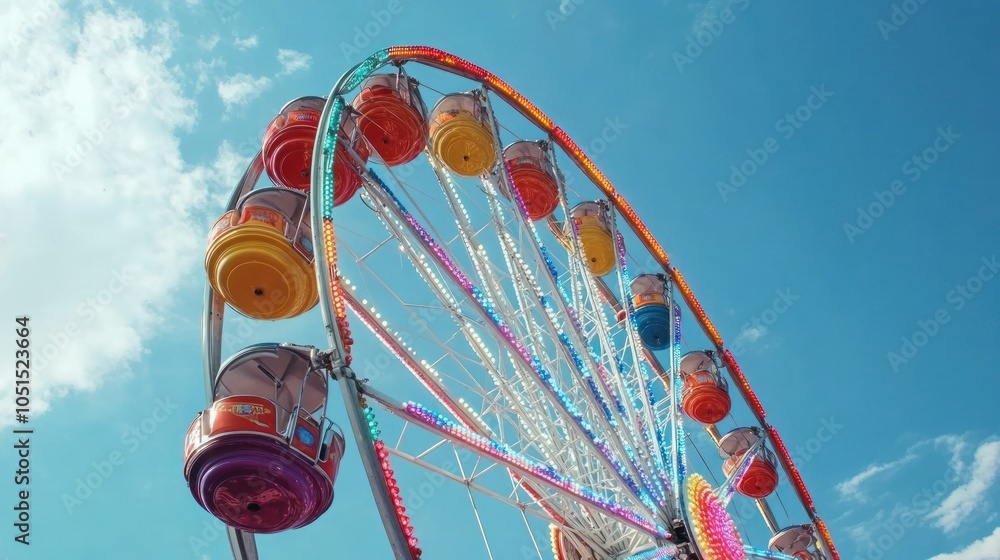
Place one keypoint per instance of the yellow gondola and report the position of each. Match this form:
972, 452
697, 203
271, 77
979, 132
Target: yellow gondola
461, 136
591, 221
260, 256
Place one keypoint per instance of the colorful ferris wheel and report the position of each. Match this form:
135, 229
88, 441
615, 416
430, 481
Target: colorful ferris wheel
530, 325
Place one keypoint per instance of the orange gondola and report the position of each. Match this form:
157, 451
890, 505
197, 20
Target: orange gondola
761, 476
288, 149
534, 177
392, 117
705, 397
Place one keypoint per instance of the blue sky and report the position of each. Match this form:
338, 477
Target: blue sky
775, 158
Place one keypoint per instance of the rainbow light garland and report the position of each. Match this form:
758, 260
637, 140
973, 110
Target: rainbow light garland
658, 451
654, 484
793, 472
769, 554
440, 59
514, 343
577, 325
554, 536
548, 473
665, 552
390, 481
743, 384
713, 529
571, 311
678, 388
471, 413
329, 238
433, 384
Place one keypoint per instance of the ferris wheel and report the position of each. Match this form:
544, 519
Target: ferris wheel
541, 351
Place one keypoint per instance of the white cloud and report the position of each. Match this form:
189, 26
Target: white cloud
242, 89
292, 61
852, 487
971, 496
751, 334
244, 44
228, 167
957, 445
208, 43
205, 72
105, 219
986, 548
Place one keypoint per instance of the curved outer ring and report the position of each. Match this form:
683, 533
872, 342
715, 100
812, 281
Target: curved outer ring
333, 306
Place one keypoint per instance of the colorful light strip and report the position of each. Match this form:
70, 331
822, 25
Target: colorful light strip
678, 388
646, 379
695, 306
552, 315
437, 422
565, 339
514, 343
793, 472
741, 381
441, 59
824, 533
727, 492
713, 529
665, 552
454, 64
432, 278
404, 354
769, 554
329, 238
390, 481
555, 534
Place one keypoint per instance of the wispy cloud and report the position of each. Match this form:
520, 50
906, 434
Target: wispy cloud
292, 61
123, 113
245, 43
751, 334
986, 548
241, 89
208, 43
971, 496
852, 487
204, 72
